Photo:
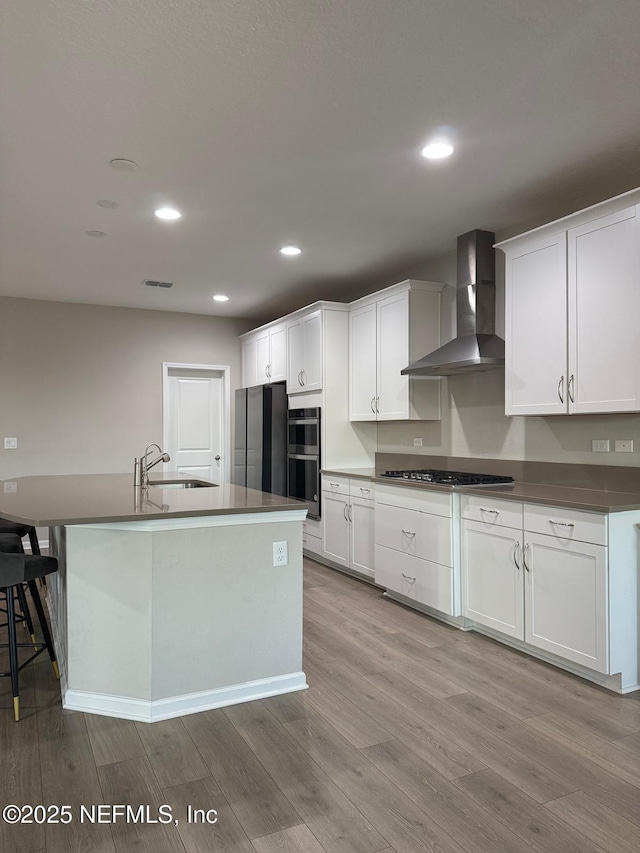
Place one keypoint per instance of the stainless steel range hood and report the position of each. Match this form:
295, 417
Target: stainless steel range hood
476, 347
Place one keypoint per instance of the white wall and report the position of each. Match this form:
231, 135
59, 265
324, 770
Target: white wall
81, 385
473, 420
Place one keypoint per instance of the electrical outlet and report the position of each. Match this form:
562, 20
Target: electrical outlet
10, 487
417, 442
625, 445
11, 444
280, 554
600, 445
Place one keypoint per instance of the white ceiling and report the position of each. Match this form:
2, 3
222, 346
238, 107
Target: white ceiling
276, 121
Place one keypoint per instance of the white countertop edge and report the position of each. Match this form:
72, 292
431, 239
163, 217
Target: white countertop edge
221, 520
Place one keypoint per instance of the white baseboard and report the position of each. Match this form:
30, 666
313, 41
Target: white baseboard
151, 711
44, 545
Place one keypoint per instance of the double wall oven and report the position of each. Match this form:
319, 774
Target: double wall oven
303, 457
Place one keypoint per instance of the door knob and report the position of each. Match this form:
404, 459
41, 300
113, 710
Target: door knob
217, 458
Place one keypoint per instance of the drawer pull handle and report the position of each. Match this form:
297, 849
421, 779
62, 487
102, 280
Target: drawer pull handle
365, 491
490, 511
335, 485
562, 523
408, 578
410, 533
516, 553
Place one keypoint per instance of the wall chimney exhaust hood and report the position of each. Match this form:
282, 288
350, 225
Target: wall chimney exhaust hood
476, 347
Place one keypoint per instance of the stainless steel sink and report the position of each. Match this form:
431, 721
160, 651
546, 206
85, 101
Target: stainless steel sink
182, 484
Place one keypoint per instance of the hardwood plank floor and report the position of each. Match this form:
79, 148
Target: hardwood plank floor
412, 737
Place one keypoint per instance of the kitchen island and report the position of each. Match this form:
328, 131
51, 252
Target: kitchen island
167, 601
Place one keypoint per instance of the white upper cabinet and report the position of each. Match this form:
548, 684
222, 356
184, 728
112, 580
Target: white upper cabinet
388, 331
304, 358
572, 295
264, 356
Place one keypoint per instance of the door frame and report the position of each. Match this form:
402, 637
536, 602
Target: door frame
225, 374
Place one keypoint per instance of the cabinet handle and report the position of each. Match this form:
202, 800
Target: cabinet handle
570, 388
350, 516
299, 379
561, 523
304, 540
409, 533
303, 381
561, 389
408, 578
344, 512
516, 551
524, 557
334, 485
266, 370
377, 405
373, 409
365, 491
490, 511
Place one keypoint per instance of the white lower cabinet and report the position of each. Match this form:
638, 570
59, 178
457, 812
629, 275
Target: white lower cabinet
348, 511
414, 546
549, 590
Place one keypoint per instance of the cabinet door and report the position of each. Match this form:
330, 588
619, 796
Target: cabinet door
392, 357
566, 599
536, 328
362, 516
249, 363
262, 357
312, 366
604, 307
362, 364
335, 509
492, 577
295, 356
278, 353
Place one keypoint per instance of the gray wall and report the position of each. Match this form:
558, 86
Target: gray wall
473, 420
81, 385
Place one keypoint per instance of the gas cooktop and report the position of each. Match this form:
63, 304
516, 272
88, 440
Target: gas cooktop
449, 478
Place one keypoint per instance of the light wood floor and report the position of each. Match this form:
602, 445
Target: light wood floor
412, 737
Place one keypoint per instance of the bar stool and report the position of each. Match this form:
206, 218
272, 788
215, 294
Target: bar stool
22, 530
17, 568
12, 543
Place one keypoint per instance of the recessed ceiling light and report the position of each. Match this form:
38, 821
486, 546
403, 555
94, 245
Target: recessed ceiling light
437, 150
95, 233
168, 213
108, 203
290, 250
220, 297
123, 165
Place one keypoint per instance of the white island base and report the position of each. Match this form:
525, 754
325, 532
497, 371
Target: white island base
157, 619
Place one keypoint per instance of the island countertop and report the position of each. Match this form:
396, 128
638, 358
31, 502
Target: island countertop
103, 498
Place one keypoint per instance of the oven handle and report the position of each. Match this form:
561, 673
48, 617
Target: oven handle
303, 421
303, 456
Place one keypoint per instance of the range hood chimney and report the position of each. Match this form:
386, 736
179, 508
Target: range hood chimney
476, 347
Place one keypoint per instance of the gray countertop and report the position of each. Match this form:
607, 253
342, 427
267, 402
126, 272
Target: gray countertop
591, 500
104, 498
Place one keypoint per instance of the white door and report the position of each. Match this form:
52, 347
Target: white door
536, 328
335, 509
492, 577
362, 517
195, 421
295, 356
312, 367
362, 364
566, 599
604, 307
278, 353
393, 356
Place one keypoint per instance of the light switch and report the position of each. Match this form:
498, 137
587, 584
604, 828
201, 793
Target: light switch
11, 444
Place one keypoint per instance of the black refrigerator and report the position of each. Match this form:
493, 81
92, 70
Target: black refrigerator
260, 460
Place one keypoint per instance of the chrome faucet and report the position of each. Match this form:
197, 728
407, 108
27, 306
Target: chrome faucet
141, 467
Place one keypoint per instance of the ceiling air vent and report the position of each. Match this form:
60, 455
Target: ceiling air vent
150, 283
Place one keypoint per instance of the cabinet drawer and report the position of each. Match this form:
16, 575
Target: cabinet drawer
418, 534
419, 580
437, 503
335, 485
362, 489
491, 511
313, 527
566, 523
312, 543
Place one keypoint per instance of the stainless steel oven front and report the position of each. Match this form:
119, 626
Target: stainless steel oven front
303, 457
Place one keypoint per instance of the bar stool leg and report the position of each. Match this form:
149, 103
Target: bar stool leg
33, 539
13, 652
24, 606
33, 588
